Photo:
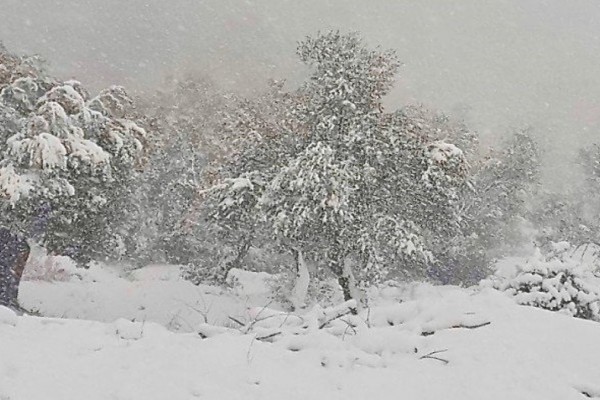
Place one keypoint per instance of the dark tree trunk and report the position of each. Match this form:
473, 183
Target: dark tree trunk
336, 265
344, 282
242, 252
14, 252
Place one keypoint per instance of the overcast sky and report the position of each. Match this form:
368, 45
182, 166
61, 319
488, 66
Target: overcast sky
511, 63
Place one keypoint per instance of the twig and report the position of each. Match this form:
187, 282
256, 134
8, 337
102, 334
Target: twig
203, 313
266, 337
336, 316
240, 323
255, 320
471, 326
287, 316
350, 326
433, 357
429, 333
248, 354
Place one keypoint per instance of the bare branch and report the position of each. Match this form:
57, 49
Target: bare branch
432, 356
267, 337
240, 323
334, 317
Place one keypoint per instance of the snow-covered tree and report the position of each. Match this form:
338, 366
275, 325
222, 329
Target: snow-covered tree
66, 158
364, 191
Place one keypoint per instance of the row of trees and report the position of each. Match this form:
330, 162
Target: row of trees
324, 176
321, 181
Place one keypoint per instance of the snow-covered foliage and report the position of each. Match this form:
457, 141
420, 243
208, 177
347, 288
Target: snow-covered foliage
224, 226
187, 142
560, 281
493, 208
503, 185
65, 156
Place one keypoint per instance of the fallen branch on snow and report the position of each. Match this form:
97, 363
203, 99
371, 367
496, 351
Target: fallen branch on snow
267, 337
429, 333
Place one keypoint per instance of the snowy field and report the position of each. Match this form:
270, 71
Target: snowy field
150, 335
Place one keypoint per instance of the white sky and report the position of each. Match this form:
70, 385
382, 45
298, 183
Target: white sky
511, 63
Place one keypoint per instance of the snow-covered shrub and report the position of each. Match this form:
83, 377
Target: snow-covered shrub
555, 282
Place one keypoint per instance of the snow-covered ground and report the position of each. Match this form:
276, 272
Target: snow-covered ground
154, 294
150, 335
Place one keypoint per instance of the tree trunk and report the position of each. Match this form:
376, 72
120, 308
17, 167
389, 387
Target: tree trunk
242, 252
14, 252
344, 282
337, 265
300, 290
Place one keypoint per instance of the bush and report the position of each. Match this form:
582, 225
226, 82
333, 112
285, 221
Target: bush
556, 282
